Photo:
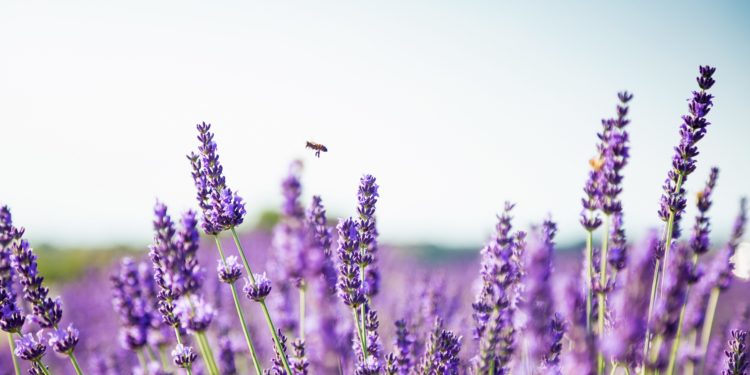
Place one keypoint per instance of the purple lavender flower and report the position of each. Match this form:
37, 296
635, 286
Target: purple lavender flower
581, 356
277, 367
163, 254
226, 356
7, 236
699, 242
629, 305
64, 341
538, 304
349, 283
194, 313
259, 290
666, 318
557, 329
320, 257
441, 354
222, 209
189, 275
30, 347
230, 270
692, 130
290, 237
494, 306
133, 305
401, 361
47, 311
183, 356
720, 272
737, 362
299, 361
367, 196
11, 317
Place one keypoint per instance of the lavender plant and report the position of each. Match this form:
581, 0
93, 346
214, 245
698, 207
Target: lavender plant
656, 311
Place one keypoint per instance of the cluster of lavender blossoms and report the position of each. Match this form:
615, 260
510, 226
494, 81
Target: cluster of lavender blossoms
19, 275
328, 299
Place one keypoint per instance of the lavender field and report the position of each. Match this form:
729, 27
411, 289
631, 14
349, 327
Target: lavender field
319, 294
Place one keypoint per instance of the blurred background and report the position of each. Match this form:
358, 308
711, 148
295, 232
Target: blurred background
455, 107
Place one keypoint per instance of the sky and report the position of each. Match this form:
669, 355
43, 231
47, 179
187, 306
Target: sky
455, 107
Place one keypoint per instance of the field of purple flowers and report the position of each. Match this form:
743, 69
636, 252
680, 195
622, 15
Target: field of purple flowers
322, 297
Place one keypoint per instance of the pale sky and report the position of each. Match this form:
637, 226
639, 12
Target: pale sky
454, 106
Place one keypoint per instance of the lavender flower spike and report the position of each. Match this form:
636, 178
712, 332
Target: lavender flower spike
30, 347
495, 305
222, 208
737, 361
64, 341
183, 356
538, 304
692, 130
367, 195
699, 242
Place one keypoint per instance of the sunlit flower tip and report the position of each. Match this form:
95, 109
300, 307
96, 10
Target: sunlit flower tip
30, 347
11, 318
183, 356
229, 271
258, 290
64, 341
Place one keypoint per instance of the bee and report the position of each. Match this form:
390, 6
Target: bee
317, 147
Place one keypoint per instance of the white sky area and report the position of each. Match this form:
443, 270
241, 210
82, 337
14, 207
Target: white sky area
454, 107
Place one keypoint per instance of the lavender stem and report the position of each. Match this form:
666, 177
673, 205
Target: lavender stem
266, 314
74, 361
12, 346
302, 290
707, 326
602, 286
589, 278
241, 315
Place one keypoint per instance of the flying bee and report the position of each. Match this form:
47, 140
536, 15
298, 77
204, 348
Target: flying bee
317, 147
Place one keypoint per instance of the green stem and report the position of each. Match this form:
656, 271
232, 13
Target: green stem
363, 315
676, 343
12, 347
302, 290
707, 327
266, 314
276, 340
209, 354
42, 367
670, 227
246, 331
689, 363
651, 302
74, 361
360, 331
589, 278
163, 357
602, 285
142, 360
178, 336
241, 315
614, 368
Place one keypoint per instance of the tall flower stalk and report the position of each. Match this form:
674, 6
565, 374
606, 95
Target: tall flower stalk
719, 278
693, 129
223, 210
698, 245
495, 305
47, 312
602, 190
179, 277
11, 319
